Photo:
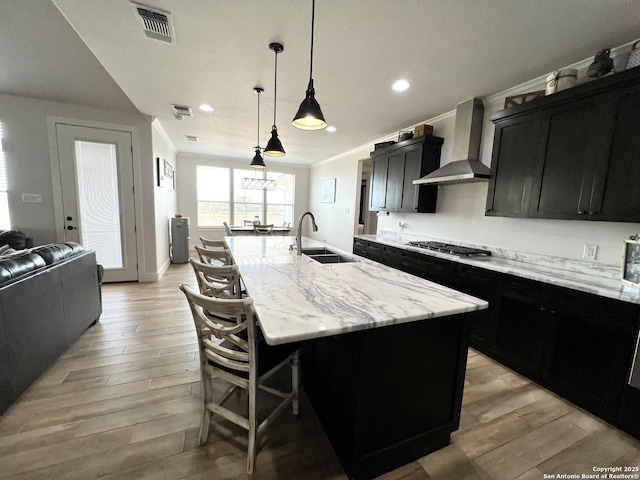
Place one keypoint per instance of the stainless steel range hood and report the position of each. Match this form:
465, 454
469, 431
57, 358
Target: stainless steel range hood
465, 167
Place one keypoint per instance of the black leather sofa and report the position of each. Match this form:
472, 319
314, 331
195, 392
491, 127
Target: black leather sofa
49, 295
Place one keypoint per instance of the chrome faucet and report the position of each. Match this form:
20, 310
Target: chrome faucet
299, 232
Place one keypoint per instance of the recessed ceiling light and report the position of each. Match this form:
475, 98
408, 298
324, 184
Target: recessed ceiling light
206, 108
400, 86
331, 129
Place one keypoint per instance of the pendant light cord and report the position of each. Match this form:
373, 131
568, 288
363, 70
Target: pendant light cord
275, 90
313, 21
258, 142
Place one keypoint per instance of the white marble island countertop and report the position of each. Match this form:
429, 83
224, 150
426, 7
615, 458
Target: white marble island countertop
297, 298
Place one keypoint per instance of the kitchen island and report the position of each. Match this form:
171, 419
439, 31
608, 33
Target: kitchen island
383, 352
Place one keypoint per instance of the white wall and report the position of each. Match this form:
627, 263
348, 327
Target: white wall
460, 209
187, 199
165, 197
337, 220
26, 142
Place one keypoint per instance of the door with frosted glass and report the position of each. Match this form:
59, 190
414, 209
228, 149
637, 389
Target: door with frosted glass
96, 175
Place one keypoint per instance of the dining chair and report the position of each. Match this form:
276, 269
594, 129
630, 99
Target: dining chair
214, 256
248, 223
227, 228
213, 244
239, 356
263, 229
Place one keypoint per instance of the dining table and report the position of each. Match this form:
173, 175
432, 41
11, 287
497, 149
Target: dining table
248, 230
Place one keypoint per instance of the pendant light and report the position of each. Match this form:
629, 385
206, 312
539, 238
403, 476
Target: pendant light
257, 161
274, 146
309, 116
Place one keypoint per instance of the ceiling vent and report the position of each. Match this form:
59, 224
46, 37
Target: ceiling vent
156, 24
192, 138
180, 111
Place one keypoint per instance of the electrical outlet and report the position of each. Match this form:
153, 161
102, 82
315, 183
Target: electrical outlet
590, 252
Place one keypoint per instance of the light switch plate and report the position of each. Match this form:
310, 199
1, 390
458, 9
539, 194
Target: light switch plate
31, 198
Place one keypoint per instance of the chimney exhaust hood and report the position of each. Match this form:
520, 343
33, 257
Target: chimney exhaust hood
465, 167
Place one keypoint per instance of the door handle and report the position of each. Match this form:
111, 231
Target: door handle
71, 228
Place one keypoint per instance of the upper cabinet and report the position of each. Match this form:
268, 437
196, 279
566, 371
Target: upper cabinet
572, 155
394, 170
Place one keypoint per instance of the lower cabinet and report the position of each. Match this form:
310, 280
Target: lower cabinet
576, 344
593, 341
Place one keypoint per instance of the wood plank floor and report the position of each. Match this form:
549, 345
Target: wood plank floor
124, 403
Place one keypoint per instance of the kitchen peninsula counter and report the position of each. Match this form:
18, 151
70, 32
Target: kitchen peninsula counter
383, 352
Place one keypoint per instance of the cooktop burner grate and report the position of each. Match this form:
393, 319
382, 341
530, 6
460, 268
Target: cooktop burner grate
451, 249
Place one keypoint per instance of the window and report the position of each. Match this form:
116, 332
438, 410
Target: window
213, 195
220, 197
280, 201
5, 218
247, 204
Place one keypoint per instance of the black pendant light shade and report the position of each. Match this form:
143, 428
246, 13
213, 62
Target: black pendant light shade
309, 116
274, 146
258, 161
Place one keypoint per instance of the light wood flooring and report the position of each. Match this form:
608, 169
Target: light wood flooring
124, 403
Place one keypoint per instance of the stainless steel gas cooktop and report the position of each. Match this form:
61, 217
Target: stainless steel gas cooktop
451, 249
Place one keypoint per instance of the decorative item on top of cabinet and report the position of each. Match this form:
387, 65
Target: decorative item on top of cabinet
522, 98
421, 130
572, 155
602, 64
634, 56
394, 169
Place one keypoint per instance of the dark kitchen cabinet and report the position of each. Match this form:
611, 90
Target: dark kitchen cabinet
593, 339
431, 268
394, 169
370, 250
485, 285
391, 256
617, 183
512, 166
572, 155
522, 327
576, 344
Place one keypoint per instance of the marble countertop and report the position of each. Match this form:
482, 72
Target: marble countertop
297, 298
598, 279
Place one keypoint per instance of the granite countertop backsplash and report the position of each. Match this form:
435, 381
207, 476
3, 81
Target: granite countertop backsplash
599, 279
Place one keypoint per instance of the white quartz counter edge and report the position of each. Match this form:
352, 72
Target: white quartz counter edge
297, 298
604, 285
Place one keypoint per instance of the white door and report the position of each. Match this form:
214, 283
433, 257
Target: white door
96, 176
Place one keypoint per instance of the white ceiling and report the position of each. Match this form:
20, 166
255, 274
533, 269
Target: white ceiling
448, 50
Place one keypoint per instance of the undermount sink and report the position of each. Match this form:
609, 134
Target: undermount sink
324, 255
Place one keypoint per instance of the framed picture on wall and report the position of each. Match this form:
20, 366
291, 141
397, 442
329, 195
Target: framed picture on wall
328, 191
631, 262
168, 169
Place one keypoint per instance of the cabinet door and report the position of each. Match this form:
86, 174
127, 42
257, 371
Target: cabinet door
571, 146
522, 328
512, 166
378, 197
594, 340
435, 269
412, 158
395, 174
617, 186
485, 285
391, 256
